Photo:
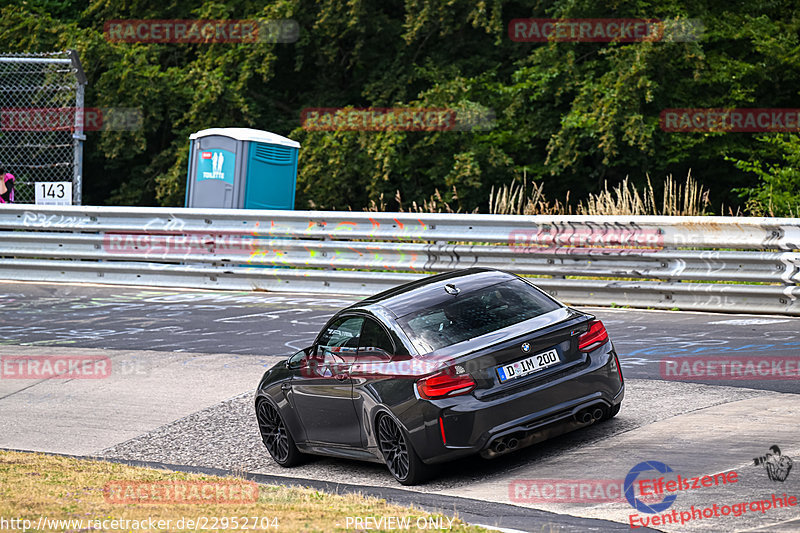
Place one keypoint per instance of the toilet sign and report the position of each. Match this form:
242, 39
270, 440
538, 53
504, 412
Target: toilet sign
216, 164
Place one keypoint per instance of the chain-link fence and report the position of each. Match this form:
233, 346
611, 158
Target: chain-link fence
41, 121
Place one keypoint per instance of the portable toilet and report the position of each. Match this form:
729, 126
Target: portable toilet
241, 168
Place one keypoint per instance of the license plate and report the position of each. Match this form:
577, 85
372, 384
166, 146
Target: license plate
528, 365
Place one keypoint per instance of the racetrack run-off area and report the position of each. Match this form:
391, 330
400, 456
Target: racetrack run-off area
184, 364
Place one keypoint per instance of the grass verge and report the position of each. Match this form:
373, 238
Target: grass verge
56, 493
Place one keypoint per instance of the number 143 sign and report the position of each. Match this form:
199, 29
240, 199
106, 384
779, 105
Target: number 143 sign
54, 193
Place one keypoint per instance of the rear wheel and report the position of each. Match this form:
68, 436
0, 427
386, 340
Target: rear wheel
401, 459
276, 437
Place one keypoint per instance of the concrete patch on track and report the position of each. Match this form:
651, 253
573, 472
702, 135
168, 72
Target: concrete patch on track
142, 391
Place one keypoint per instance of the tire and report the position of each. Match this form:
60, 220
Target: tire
400, 457
613, 412
276, 437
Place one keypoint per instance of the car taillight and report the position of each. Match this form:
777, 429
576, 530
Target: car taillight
594, 338
619, 368
445, 384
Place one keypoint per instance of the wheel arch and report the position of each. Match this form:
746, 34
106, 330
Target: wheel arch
290, 419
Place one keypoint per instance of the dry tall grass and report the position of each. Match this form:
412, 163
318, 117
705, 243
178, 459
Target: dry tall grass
434, 204
679, 199
512, 199
687, 199
624, 199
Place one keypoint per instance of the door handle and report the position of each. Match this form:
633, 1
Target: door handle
341, 377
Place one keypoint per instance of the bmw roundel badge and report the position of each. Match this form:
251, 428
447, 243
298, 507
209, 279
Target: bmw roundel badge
526, 347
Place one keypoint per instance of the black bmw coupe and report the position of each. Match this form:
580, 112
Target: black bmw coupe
467, 362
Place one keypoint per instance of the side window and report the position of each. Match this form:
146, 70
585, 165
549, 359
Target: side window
341, 337
375, 342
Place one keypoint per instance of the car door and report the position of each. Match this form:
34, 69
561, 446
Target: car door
322, 391
373, 365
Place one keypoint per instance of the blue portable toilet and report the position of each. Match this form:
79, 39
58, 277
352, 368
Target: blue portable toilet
241, 168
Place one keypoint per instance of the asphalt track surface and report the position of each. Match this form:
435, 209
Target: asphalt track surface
185, 363
261, 324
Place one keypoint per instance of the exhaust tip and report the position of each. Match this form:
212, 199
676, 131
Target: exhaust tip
512, 443
586, 417
597, 413
500, 447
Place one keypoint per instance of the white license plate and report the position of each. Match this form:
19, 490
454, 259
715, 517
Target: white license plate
528, 365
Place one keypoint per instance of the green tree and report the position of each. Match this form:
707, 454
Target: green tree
778, 192
570, 115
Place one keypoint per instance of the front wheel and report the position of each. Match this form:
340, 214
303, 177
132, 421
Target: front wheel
401, 459
276, 437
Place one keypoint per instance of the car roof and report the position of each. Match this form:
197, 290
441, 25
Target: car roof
429, 291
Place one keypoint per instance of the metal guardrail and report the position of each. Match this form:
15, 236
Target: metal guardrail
690, 263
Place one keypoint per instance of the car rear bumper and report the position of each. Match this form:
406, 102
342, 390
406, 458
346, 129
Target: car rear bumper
466, 425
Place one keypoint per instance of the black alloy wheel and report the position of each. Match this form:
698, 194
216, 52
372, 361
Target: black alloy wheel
277, 439
400, 457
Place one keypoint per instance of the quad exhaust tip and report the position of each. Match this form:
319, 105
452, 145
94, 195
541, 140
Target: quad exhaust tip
505, 445
502, 445
589, 415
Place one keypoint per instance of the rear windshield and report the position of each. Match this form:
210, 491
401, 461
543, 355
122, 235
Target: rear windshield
475, 313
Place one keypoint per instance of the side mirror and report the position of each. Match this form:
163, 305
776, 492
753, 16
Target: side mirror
298, 359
